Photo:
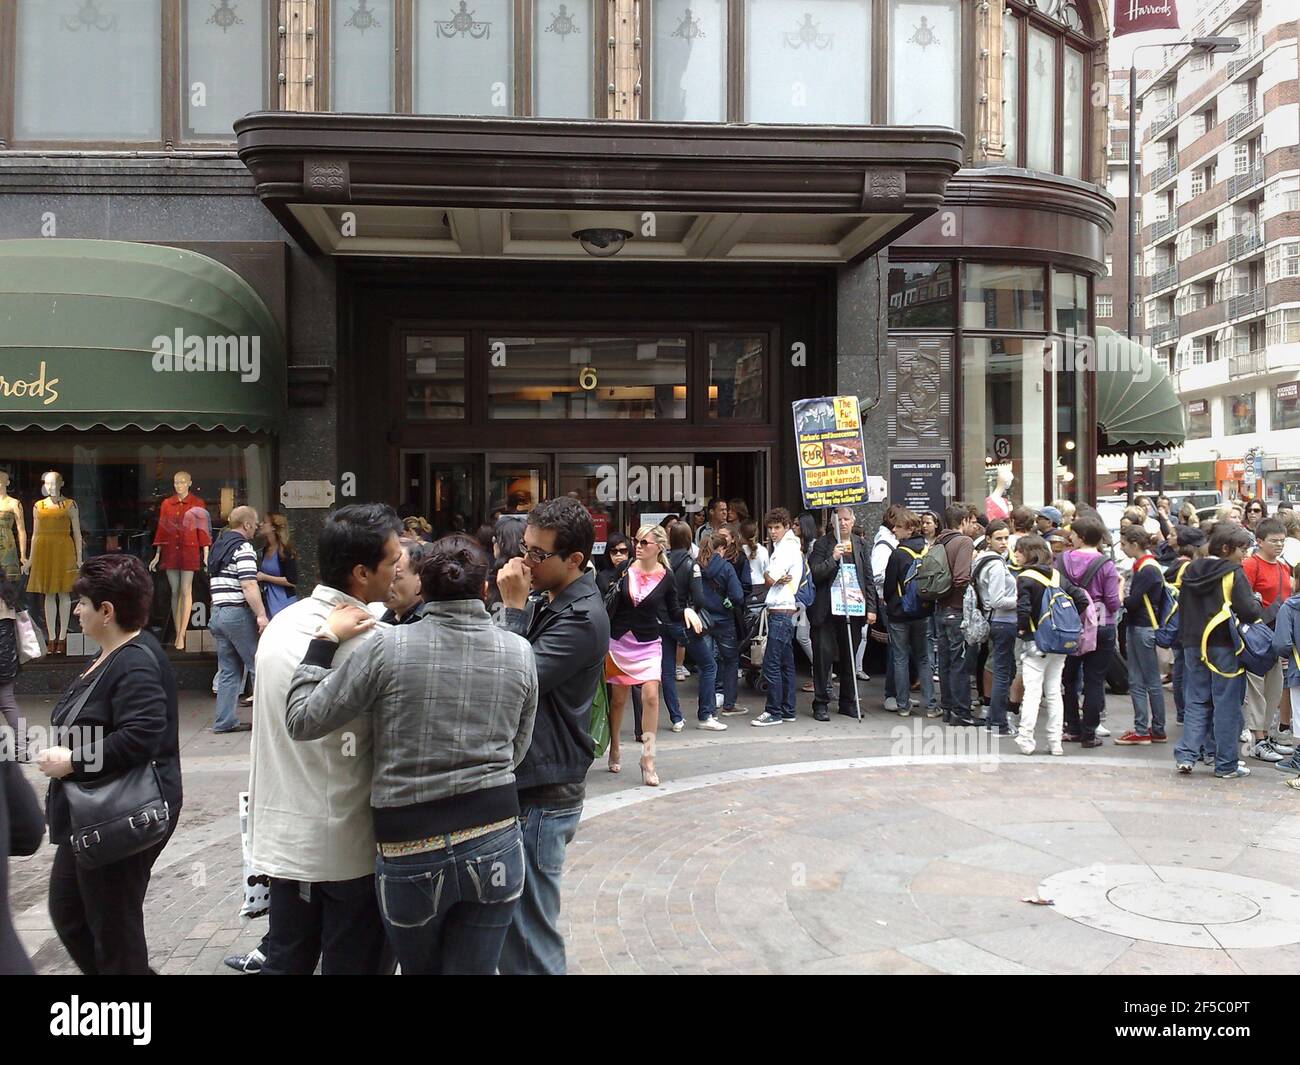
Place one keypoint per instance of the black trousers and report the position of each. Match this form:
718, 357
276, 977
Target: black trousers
99, 913
831, 651
337, 924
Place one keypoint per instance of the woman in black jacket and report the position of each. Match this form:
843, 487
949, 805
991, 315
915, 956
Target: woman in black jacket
21, 832
128, 719
645, 592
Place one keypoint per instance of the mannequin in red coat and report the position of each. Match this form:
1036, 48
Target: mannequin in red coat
182, 547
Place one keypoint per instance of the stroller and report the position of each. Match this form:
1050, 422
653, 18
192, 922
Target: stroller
753, 641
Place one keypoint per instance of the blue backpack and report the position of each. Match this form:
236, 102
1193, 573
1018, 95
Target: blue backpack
805, 593
1253, 644
1167, 615
1059, 628
910, 600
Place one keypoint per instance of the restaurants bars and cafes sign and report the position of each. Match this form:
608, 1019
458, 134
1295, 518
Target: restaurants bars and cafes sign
1138, 16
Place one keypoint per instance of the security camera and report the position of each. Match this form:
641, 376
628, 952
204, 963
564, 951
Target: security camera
602, 242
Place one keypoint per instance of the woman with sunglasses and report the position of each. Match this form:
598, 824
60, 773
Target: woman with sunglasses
1255, 512
645, 591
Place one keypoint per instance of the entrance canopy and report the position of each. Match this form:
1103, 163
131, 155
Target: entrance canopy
411, 185
102, 332
1137, 406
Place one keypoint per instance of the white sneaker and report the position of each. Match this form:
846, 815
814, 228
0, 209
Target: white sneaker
679, 725
1246, 737
1103, 731
891, 705
710, 724
717, 700
1266, 752
862, 676
735, 711
1026, 747
682, 673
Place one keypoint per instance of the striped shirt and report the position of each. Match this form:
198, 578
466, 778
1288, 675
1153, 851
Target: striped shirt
226, 590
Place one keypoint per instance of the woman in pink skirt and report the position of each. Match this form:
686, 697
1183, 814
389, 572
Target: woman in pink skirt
635, 653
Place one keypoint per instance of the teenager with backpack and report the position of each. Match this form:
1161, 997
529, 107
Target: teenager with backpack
1270, 580
1286, 645
996, 594
883, 546
786, 570
1191, 544
1143, 608
908, 618
1088, 569
942, 577
1042, 665
1214, 593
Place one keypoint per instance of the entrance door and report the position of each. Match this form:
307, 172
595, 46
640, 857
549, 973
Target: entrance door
516, 482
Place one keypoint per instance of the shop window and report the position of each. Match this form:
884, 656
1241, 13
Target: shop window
1241, 414
1070, 302
1286, 406
118, 483
737, 375
1002, 297
223, 66
361, 56
85, 73
1002, 416
810, 63
689, 60
1198, 419
1040, 132
580, 378
563, 59
434, 368
464, 59
920, 296
925, 63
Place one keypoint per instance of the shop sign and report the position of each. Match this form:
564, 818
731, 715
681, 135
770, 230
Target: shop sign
1291, 391
918, 484
1197, 406
307, 495
600, 527
1139, 16
828, 442
1189, 472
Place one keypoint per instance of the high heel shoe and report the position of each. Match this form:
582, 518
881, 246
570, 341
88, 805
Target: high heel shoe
648, 775
614, 766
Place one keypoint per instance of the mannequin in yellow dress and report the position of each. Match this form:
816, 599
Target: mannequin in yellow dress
13, 533
55, 558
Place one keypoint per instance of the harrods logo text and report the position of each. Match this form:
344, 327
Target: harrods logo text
40, 386
1134, 16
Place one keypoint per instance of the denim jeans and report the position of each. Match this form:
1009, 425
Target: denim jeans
447, 911
778, 665
908, 641
672, 636
1002, 638
1144, 686
727, 652
954, 680
337, 925
534, 946
234, 631
1211, 709
1179, 702
700, 650
1092, 668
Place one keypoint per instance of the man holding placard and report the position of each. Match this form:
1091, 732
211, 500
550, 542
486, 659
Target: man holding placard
845, 600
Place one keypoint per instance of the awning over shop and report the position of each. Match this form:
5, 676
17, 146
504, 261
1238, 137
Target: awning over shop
116, 334
1137, 407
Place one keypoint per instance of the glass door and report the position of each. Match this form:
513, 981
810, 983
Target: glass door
516, 482
444, 488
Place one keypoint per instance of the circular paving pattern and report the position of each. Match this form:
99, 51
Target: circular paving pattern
1184, 907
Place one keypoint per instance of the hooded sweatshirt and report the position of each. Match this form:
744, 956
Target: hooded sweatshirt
1202, 596
1286, 639
882, 549
895, 570
1144, 588
995, 585
1104, 586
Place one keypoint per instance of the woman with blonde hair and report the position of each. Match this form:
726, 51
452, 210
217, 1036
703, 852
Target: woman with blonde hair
277, 571
1187, 515
641, 595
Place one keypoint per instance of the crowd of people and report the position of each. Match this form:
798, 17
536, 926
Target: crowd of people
425, 716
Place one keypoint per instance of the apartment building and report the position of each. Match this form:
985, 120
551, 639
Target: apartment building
1110, 293
1221, 245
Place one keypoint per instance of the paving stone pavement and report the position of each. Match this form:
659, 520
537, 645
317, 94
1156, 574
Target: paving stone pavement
888, 846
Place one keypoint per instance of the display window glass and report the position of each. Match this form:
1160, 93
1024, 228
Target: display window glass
1286, 406
1002, 297
920, 296
1002, 416
1198, 419
1241, 413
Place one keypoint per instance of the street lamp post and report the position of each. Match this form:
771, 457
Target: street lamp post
1200, 44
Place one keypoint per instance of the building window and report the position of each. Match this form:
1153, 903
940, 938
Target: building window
737, 372
920, 296
1070, 302
1011, 87
85, 74
689, 60
563, 60
1283, 327
1040, 126
582, 378
464, 60
434, 377
1198, 182
810, 63
925, 60
1198, 419
1241, 414
1002, 415
361, 57
1282, 260
1240, 157
1110, 264
1074, 101
1002, 297
223, 68
1105, 306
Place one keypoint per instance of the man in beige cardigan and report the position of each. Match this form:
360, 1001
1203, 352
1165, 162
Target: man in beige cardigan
310, 826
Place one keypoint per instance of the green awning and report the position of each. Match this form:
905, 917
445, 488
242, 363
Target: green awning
115, 334
1137, 407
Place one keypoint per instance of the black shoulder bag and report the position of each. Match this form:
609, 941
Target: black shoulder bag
117, 817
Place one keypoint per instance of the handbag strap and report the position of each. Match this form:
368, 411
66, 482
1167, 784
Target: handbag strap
83, 698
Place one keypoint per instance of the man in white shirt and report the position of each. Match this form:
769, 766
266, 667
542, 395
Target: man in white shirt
309, 818
784, 571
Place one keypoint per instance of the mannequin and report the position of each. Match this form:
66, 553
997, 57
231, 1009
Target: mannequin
182, 539
55, 558
13, 533
998, 505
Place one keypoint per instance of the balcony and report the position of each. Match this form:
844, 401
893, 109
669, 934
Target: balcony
1200, 376
1164, 279
1245, 57
1207, 259
1201, 318
1119, 151
1164, 173
1247, 116
1162, 122
1247, 303
1163, 334
1244, 244
1163, 227
1247, 365
1242, 183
